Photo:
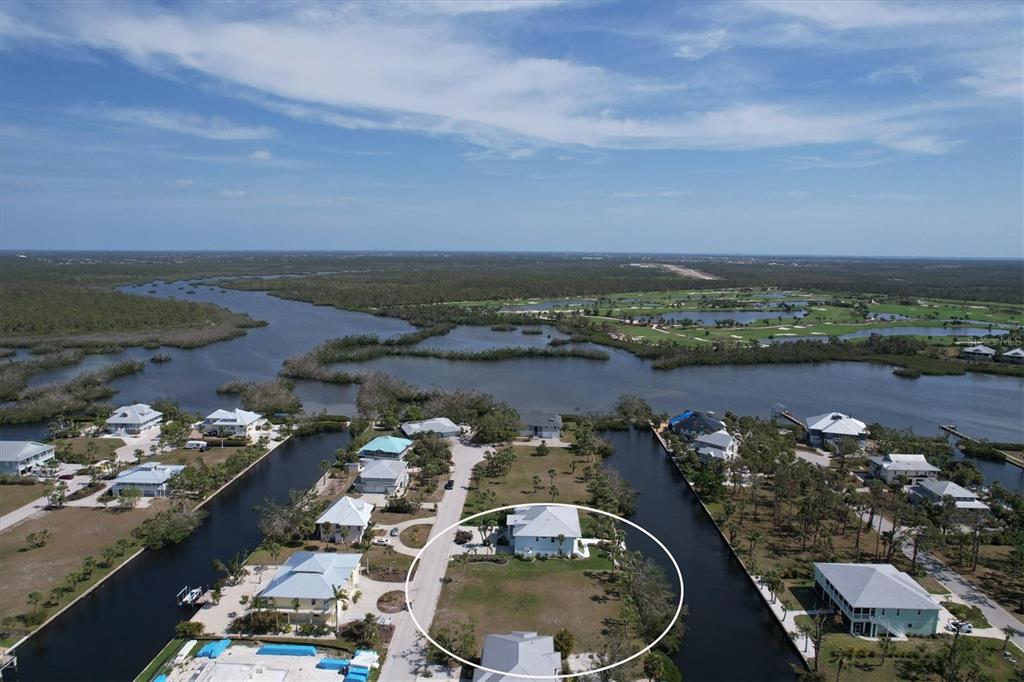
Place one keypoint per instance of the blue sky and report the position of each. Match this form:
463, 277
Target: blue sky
848, 128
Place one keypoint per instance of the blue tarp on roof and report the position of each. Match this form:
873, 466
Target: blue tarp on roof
214, 649
333, 663
286, 650
679, 417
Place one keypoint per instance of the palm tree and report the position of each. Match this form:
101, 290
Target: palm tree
34, 598
885, 647
839, 658
295, 605
755, 537
1010, 633
341, 602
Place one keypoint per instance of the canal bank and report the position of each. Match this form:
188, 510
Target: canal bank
134, 610
730, 634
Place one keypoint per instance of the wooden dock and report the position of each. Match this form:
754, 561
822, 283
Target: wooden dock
8, 663
788, 416
1011, 458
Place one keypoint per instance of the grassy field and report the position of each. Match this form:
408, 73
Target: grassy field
76, 533
908, 661
102, 448
992, 576
517, 486
212, 457
972, 614
15, 496
383, 518
415, 536
386, 564
544, 596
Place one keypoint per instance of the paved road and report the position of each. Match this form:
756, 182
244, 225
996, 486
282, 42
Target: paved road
997, 616
406, 653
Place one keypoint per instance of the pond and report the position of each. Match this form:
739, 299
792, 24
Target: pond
710, 317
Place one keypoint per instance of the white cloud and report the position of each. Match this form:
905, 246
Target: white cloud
213, 128
700, 44
898, 72
860, 14
232, 193
183, 183
261, 155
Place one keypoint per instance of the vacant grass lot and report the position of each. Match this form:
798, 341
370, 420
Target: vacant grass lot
76, 532
383, 563
101, 448
542, 596
15, 496
212, 457
993, 576
517, 486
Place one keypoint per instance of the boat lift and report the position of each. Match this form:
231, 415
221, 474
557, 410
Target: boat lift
189, 596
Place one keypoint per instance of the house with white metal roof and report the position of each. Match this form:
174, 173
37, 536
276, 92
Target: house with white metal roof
518, 653
719, 445
535, 424
442, 426
309, 580
383, 476
150, 479
237, 423
877, 599
936, 492
912, 467
833, 427
544, 530
21, 457
345, 520
386, 447
133, 419
978, 352
1016, 356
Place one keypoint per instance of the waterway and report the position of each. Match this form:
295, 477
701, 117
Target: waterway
710, 317
730, 633
116, 630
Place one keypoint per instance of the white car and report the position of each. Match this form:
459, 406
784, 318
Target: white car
961, 626
381, 541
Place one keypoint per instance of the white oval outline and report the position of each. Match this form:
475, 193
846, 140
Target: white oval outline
560, 676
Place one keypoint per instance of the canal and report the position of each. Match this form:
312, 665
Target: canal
730, 633
116, 630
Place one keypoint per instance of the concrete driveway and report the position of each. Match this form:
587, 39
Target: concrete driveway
407, 651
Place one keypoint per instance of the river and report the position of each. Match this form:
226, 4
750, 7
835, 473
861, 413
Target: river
115, 631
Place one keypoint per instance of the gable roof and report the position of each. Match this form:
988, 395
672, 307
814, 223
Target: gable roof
876, 586
544, 522
347, 512
150, 473
389, 444
536, 418
837, 424
523, 653
944, 488
139, 413
383, 470
312, 575
904, 462
436, 425
20, 450
1015, 353
721, 439
238, 417
979, 349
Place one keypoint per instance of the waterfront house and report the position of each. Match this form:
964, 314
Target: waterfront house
1016, 356
518, 653
345, 520
832, 427
384, 476
543, 530
237, 423
21, 457
442, 426
935, 492
309, 580
133, 419
978, 352
535, 424
386, 447
890, 468
692, 424
719, 445
150, 479
877, 599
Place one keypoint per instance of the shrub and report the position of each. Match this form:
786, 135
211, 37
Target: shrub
188, 629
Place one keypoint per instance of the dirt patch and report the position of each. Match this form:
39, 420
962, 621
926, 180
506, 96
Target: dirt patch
415, 536
689, 273
391, 602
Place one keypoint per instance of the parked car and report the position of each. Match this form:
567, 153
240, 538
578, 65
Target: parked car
961, 626
66, 477
394, 532
449, 484
200, 445
381, 541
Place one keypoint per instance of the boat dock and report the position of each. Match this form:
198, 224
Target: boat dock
1011, 458
8, 663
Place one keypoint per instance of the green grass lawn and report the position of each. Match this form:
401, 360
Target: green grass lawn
14, 496
518, 485
212, 457
972, 614
542, 596
102, 448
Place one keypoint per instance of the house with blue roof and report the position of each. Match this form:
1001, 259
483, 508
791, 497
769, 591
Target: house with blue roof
310, 581
386, 447
150, 479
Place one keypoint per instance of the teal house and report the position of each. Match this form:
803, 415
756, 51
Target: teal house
386, 447
877, 600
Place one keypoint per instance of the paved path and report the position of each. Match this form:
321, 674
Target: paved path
39, 505
959, 586
396, 541
407, 651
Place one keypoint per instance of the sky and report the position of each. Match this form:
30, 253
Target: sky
752, 126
